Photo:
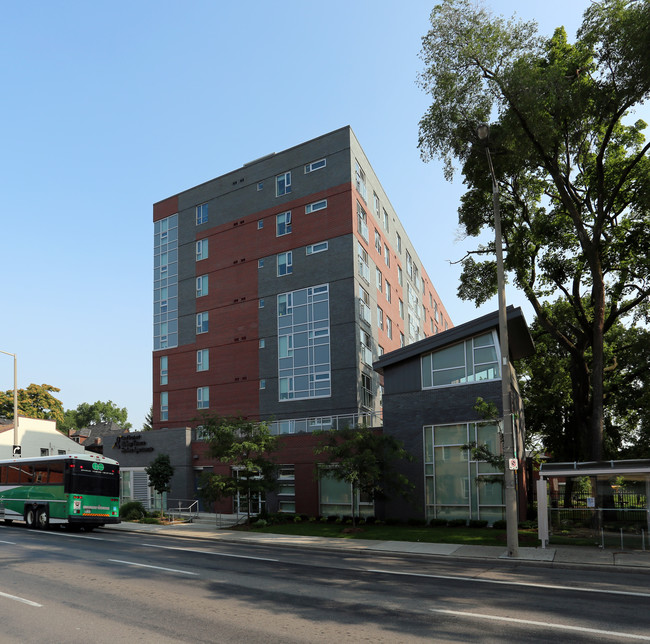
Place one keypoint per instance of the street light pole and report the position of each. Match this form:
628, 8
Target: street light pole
512, 534
15, 398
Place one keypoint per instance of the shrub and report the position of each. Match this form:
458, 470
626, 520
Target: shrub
393, 521
297, 519
437, 523
332, 518
370, 520
416, 522
501, 524
477, 523
132, 511
150, 520
456, 523
260, 523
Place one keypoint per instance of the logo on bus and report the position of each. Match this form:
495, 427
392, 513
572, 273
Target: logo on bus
98, 466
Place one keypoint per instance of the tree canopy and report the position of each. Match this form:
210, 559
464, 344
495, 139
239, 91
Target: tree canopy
87, 414
36, 401
571, 163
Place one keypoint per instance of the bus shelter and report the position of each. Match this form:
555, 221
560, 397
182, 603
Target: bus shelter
606, 501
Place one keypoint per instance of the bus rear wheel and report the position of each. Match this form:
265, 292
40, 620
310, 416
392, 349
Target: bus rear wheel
43, 519
30, 517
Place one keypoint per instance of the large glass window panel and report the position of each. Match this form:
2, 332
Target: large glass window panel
489, 492
449, 376
450, 357
450, 434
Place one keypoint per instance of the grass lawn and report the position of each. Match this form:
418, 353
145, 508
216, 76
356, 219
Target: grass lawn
459, 535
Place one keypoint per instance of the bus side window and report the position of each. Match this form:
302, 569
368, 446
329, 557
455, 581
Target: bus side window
40, 475
26, 474
56, 474
3, 474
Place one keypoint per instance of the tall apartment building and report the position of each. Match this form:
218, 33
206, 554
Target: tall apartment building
277, 285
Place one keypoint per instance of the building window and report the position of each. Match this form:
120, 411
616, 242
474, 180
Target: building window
360, 180
401, 309
164, 371
283, 184
164, 405
283, 224
201, 285
260, 263
362, 222
202, 214
262, 384
389, 327
380, 318
260, 185
377, 241
386, 227
367, 397
375, 203
317, 205
456, 485
474, 360
387, 255
261, 303
165, 289
400, 276
317, 248
285, 263
399, 243
262, 343
202, 322
388, 293
364, 305
315, 165
286, 488
380, 350
364, 269
380, 283
409, 265
201, 249
260, 224
402, 342
203, 398
304, 369
366, 347
203, 360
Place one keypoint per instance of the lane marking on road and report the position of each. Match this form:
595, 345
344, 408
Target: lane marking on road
21, 599
76, 536
11, 543
500, 582
209, 552
141, 565
529, 622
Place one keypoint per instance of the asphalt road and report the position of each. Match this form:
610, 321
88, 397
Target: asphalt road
109, 586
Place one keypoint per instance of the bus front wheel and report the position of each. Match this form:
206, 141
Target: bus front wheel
30, 517
42, 519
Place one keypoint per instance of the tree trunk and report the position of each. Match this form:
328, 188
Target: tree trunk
597, 371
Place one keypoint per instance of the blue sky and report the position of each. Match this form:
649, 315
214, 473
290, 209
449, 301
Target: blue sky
111, 106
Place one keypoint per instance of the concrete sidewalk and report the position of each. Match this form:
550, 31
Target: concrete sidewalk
566, 555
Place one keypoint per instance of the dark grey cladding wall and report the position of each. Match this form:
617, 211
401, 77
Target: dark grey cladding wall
139, 449
405, 415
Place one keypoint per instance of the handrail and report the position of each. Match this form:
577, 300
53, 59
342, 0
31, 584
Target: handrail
191, 510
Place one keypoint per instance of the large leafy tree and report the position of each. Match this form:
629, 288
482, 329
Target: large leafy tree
572, 168
247, 446
87, 414
366, 460
547, 390
37, 401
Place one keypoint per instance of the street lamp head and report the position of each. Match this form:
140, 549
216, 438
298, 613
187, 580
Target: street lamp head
483, 131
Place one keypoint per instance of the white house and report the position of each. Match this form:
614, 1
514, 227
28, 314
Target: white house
36, 437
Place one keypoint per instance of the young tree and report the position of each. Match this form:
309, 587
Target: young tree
147, 425
573, 170
36, 401
160, 472
366, 460
247, 447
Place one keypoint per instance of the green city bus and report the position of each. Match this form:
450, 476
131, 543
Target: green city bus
80, 490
